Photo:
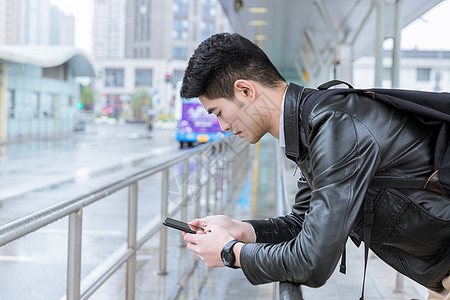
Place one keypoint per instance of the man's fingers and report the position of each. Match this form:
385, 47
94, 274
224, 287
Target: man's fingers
195, 222
191, 238
199, 222
193, 247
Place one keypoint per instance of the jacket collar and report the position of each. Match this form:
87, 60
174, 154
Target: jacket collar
292, 120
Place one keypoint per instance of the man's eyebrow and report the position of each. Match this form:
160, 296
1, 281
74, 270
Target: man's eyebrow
211, 109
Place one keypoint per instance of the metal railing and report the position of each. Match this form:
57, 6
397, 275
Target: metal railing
286, 290
215, 168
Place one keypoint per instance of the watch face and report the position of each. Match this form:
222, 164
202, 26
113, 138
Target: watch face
225, 262
227, 254
228, 258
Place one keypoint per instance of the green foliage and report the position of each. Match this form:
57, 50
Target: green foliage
142, 97
87, 96
166, 118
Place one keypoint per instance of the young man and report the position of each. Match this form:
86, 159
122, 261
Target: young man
352, 140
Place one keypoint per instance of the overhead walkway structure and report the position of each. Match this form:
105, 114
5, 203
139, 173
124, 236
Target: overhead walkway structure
312, 41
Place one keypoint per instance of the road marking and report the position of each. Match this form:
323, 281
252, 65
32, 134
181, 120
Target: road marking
82, 174
16, 258
149, 154
85, 174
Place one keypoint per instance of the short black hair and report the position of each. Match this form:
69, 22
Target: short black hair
222, 59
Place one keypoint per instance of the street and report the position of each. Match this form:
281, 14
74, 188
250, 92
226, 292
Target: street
36, 176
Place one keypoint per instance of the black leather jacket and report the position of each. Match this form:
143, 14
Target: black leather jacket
352, 140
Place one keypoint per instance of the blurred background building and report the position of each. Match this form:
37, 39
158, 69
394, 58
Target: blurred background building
35, 22
158, 38
108, 29
38, 91
427, 70
141, 46
136, 44
10, 22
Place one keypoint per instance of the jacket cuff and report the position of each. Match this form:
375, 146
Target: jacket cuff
248, 263
263, 230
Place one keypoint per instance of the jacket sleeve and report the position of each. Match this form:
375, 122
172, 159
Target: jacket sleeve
343, 157
284, 228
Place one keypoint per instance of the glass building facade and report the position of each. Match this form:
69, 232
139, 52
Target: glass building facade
38, 102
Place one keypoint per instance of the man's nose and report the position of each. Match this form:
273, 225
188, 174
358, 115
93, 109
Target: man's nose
224, 125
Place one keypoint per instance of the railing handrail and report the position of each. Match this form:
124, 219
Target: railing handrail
30, 223
78, 288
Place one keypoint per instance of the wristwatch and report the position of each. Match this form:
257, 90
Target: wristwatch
227, 254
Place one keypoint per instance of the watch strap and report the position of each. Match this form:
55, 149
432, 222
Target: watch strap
228, 248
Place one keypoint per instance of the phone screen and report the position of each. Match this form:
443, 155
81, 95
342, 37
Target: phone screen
181, 225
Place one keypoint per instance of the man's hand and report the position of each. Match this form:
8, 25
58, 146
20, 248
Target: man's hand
209, 245
239, 230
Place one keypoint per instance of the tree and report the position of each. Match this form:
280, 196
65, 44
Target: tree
87, 97
140, 99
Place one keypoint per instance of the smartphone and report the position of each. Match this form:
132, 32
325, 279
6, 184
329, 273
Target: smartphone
181, 225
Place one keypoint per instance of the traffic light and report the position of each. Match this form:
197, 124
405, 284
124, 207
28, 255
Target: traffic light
79, 105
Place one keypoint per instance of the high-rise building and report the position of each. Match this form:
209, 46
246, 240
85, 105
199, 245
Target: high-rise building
10, 22
159, 38
170, 29
34, 22
108, 30
62, 27
66, 29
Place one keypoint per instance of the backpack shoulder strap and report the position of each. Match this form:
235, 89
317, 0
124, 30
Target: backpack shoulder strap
331, 83
316, 97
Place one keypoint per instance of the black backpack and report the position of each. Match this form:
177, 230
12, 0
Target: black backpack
430, 108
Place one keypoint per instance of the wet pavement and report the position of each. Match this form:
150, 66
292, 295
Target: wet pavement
34, 176
34, 267
101, 149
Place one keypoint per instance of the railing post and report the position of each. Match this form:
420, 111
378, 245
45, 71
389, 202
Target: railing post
222, 171
398, 283
184, 201
216, 174
74, 255
198, 195
132, 231
208, 179
164, 214
229, 166
289, 291
185, 189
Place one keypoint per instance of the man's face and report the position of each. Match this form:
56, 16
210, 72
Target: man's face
237, 115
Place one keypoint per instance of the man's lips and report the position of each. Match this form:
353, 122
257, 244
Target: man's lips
238, 133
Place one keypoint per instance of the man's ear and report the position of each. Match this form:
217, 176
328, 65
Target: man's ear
245, 88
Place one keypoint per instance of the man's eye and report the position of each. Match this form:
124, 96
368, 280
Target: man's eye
219, 114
